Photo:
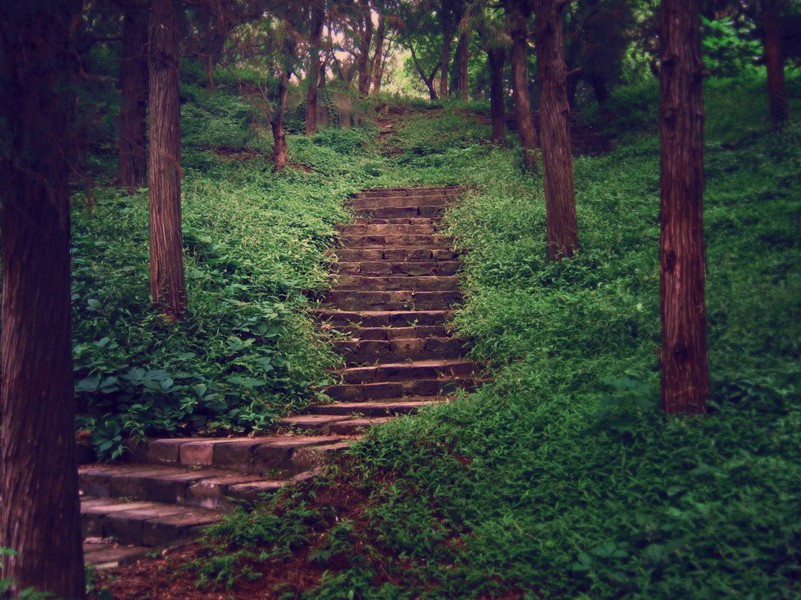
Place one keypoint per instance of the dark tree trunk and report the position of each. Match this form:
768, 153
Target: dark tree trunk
557, 156
167, 286
600, 89
378, 58
318, 19
774, 62
365, 39
39, 508
132, 163
445, 56
496, 57
277, 123
462, 58
517, 12
427, 79
685, 364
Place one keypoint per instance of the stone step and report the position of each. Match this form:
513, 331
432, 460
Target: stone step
385, 267
264, 456
336, 424
369, 392
383, 318
390, 228
107, 554
354, 300
429, 241
398, 350
209, 489
435, 221
408, 371
347, 281
396, 254
393, 406
410, 191
149, 524
405, 201
394, 333
401, 212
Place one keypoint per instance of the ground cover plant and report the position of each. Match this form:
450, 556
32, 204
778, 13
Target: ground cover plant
561, 478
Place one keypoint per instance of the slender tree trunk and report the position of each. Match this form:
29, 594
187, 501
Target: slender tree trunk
318, 19
378, 58
167, 285
132, 163
445, 56
496, 57
462, 59
600, 89
428, 80
277, 123
517, 14
557, 156
39, 507
774, 62
685, 364
365, 39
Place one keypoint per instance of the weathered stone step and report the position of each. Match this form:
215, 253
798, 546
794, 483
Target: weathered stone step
398, 282
396, 254
418, 241
450, 190
368, 392
150, 524
398, 350
435, 221
385, 267
392, 301
250, 455
390, 228
383, 318
408, 371
342, 424
406, 201
107, 554
395, 333
401, 212
174, 485
394, 406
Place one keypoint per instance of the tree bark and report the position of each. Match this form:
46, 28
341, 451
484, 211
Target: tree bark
445, 55
685, 364
462, 59
167, 285
277, 123
377, 68
496, 57
774, 63
318, 19
365, 39
517, 12
427, 79
557, 156
132, 163
39, 507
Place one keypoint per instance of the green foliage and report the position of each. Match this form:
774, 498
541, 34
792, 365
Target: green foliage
730, 45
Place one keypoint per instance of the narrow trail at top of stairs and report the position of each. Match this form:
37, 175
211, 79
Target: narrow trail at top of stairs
397, 285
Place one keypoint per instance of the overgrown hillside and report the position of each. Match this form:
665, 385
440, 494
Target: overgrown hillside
561, 478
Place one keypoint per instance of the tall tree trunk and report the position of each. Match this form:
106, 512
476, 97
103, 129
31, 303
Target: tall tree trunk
462, 59
557, 156
685, 364
312, 89
132, 163
365, 39
774, 62
167, 285
517, 12
445, 55
427, 79
277, 123
39, 507
496, 57
378, 57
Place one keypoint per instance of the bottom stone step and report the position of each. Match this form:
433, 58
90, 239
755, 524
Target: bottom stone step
107, 554
393, 406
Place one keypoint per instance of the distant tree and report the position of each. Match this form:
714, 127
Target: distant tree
167, 283
364, 23
316, 24
517, 14
494, 41
377, 66
132, 161
774, 62
557, 156
39, 507
461, 85
685, 363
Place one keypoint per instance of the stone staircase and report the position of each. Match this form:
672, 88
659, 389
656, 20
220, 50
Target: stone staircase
396, 288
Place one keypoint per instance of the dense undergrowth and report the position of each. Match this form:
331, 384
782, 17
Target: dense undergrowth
562, 479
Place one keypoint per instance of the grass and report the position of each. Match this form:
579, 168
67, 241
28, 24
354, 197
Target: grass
561, 479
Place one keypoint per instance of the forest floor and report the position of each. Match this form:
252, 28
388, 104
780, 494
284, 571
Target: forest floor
561, 478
